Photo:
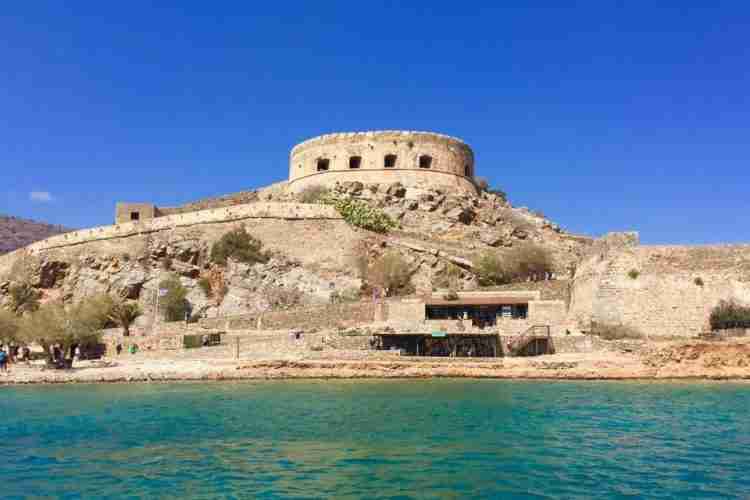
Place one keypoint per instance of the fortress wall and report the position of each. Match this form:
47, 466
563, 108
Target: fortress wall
262, 211
664, 299
452, 161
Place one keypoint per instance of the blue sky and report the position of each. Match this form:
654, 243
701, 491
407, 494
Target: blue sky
603, 115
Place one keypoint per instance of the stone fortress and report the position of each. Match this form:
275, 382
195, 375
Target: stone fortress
423, 159
658, 290
411, 158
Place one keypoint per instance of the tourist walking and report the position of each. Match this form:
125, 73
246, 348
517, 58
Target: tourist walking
3, 361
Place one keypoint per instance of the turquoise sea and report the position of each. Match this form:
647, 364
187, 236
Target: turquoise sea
376, 439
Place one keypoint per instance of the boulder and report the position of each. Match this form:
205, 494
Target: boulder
464, 215
491, 238
397, 190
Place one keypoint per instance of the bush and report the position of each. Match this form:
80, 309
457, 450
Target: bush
729, 314
491, 269
360, 214
173, 304
391, 273
484, 185
8, 327
633, 274
239, 246
530, 262
313, 194
615, 332
698, 281
522, 263
23, 298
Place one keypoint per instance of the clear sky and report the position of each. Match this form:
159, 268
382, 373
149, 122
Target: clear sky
603, 115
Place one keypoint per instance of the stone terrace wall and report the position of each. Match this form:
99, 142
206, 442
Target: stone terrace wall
325, 316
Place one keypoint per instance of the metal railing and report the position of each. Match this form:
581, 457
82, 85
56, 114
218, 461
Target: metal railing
533, 333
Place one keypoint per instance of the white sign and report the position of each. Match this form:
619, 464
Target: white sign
163, 292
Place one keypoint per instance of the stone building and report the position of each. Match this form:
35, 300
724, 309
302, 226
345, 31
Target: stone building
419, 159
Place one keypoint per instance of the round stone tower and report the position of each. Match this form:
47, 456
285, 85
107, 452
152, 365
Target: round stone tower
415, 159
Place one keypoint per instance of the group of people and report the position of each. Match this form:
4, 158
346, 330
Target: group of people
12, 353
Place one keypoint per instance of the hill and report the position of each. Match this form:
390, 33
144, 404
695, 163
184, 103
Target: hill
17, 233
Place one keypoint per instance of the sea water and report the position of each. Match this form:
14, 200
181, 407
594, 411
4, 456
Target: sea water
376, 439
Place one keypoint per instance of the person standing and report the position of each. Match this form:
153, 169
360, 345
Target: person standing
3, 361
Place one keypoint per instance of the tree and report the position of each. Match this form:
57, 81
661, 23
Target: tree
54, 324
238, 245
23, 298
8, 327
123, 313
173, 303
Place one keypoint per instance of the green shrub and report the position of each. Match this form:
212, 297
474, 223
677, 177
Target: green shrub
491, 269
391, 273
360, 214
729, 314
23, 298
8, 327
240, 246
633, 274
313, 194
615, 332
698, 281
524, 262
173, 304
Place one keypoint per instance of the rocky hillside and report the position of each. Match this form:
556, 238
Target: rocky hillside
16, 233
311, 259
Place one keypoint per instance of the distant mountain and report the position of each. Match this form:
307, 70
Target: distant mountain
16, 233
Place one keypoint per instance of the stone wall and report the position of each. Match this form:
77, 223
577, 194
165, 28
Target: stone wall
278, 211
325, 316
662, 291
451, 161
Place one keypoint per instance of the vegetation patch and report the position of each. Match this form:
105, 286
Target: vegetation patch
392, 274
729, 314
23, 298
529, 262
698, 281
360, 214
240, 246
172, 303
633, 274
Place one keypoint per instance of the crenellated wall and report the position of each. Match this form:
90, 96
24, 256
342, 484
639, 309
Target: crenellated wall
278, 211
